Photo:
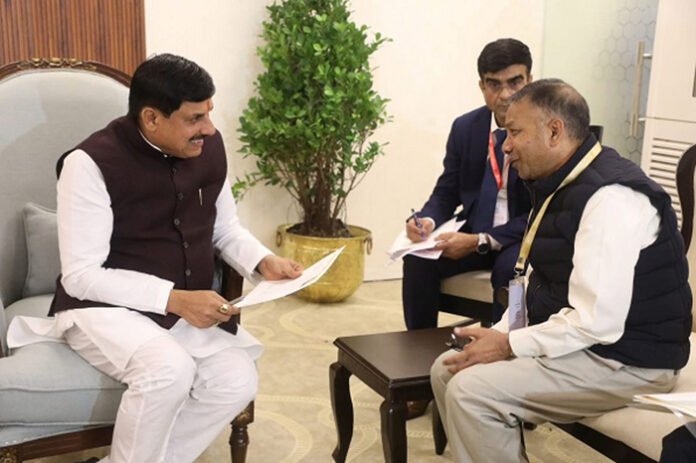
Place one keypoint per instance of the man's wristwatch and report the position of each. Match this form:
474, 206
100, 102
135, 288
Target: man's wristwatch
483, 245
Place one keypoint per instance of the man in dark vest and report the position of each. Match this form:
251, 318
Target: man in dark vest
143, 206
608, 305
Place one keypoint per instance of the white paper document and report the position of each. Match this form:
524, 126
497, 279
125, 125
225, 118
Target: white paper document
270, 290
403, 246
680, 403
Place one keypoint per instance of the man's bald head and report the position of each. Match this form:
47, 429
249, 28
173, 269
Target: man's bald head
559, 100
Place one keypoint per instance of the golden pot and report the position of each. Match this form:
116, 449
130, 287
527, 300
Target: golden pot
347, 272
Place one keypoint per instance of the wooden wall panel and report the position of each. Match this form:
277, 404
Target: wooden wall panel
109, 31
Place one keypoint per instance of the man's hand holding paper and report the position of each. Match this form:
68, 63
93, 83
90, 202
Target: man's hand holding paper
274, 267
417, 233
199, 308
455, 245
424, 247
271, 289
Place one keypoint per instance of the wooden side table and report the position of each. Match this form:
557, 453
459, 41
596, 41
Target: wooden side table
397, 367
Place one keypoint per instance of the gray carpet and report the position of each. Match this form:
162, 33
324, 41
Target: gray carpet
294, 422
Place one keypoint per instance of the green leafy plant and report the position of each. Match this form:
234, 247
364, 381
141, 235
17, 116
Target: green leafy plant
308, 125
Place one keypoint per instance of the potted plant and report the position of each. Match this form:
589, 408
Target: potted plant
308, 127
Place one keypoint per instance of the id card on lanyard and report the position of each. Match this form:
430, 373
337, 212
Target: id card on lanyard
517, 310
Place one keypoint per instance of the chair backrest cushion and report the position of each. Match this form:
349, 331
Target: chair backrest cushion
43, 258
43, 114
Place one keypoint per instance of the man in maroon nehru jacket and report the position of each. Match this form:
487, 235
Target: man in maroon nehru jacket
143, 206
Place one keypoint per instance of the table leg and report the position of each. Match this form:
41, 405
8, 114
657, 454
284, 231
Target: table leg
394, 431
342, 409
439, 435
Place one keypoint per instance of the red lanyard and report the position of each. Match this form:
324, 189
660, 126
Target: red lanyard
494, 161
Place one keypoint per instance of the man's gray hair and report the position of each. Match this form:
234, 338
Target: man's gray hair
559, 99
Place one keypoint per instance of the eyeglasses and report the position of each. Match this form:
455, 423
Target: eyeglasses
497, 86
457, 343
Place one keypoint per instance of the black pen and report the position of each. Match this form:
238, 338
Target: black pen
418, 224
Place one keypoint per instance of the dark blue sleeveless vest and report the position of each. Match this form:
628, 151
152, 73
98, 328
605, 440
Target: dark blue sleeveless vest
657, 329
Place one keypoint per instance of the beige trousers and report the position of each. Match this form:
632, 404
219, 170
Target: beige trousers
175, 404
482, 407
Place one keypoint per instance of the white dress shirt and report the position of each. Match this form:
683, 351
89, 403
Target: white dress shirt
616, 224
85, 222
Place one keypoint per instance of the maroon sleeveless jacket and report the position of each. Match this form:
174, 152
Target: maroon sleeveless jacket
163, 210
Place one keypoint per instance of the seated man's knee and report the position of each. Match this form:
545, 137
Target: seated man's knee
501, 276
164, 367
466, 387
243, 386
415, 265
439, 372
232, 379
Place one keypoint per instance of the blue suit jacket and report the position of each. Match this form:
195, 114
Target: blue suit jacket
460, 183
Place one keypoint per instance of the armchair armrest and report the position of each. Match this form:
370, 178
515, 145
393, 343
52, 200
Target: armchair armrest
231, 289
232, 283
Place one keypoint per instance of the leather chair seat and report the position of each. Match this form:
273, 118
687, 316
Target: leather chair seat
643, 429
474, 285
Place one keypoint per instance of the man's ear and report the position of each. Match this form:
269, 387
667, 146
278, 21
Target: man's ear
481, 84
149, 119
557, 129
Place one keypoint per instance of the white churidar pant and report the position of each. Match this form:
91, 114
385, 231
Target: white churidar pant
176, 403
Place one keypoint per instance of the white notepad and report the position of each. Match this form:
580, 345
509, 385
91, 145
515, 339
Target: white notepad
403, 246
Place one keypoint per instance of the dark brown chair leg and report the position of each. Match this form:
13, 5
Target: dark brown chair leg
239, 439
10, 455
439, 435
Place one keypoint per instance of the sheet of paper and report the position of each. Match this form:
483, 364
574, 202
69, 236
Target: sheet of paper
403, 246
270, 290
677, 402
681, 404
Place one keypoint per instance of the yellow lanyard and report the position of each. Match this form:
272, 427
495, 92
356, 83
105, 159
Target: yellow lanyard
532, 230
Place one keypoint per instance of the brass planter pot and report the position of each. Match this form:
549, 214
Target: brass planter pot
346, 274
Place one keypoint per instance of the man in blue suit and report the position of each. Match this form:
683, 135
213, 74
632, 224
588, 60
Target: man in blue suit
478, 177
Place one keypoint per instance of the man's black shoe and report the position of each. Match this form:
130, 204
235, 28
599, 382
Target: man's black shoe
90, 460
416, 408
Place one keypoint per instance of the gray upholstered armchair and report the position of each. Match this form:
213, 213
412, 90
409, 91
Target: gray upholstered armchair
51, 401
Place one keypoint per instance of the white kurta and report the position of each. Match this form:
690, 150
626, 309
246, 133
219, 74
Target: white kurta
85, 222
